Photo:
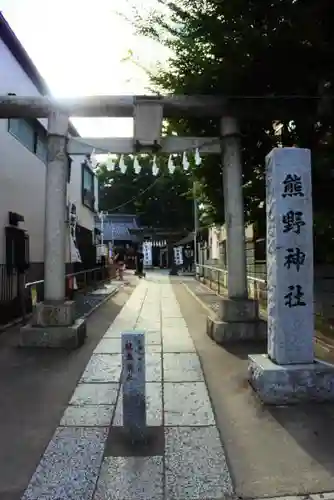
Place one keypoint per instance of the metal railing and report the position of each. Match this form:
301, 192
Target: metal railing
82, 281
217, 279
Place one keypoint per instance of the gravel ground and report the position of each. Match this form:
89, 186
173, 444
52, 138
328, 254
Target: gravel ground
86, 302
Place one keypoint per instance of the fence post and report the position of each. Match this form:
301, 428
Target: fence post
22, 293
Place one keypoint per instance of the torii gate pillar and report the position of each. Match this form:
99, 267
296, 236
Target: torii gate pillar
238, 317
53, 323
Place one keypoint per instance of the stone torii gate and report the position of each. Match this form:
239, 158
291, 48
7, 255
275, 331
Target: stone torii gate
53, 324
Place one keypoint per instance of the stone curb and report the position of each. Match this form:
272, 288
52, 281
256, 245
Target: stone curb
328, 495
200, 301
322, 343
18, 321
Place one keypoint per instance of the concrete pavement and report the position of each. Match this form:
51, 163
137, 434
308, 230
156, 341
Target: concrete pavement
35, 388
213, 439
272, 451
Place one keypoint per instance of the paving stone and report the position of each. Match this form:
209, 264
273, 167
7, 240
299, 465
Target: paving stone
196, 466
187, 404
95, 394
70, 465
182, 367
171, 323
153, 367
108, 346
150, 317
87, 416
153, 406
130, 478
148, 325
173, 332
152, 337
321, 496
177, 343
171, 314
151, 331
115, 331
103, 368
150, 348
119, 445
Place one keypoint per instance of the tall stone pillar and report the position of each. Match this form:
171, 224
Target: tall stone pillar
53, 323
238, 317
288, 372
234, 209
55, 227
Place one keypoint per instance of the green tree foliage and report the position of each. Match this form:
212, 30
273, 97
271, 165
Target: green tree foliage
260, 49
164, 201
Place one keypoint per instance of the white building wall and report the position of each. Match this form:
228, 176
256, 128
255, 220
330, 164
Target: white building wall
214, 242
22, 173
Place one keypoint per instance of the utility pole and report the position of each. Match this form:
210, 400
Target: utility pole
101, 216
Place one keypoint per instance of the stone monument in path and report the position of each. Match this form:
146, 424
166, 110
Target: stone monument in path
133, 372
288, 373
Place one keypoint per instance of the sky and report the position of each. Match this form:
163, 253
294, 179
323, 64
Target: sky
79, 47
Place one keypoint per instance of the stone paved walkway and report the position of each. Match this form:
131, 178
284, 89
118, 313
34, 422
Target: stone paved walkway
189, 463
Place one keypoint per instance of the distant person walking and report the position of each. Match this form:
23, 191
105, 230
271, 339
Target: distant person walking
188, 258
140, 263
120, 262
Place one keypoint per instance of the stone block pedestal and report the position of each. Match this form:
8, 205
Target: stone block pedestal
54, 314
53, 326
288, 373
238, 320
289, 384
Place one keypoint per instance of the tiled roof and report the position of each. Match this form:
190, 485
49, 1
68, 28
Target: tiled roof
116, 227
118, 231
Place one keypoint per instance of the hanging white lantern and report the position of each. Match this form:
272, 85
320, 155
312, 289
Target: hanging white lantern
93, 159
110, 164
155, 169
185, 162
171, 166
122, 165
198, 159
136, 165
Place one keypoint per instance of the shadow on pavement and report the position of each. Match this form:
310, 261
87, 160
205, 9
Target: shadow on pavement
35, 388
312, 428
272, 451
242, 349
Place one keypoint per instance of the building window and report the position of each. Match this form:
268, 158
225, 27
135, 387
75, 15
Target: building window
23, 131
88, 181
41, 142
31, 134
